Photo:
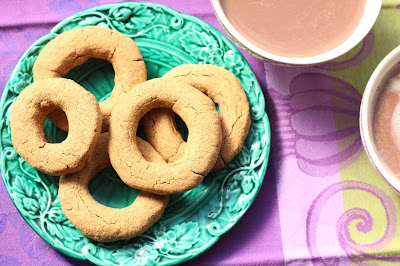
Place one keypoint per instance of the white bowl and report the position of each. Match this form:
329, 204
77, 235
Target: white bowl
368, 19
388, 68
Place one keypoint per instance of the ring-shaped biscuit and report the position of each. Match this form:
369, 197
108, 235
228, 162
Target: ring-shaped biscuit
74, 47
29, 112
224, 89
100, 222
202, 148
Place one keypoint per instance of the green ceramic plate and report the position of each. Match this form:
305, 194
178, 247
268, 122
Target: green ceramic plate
193, 221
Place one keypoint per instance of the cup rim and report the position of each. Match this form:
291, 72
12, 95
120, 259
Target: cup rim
371, 12
378, 79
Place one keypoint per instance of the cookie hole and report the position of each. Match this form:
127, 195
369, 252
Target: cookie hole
52, 133
217, 107
108, 189
140, 130
181, 126
96, 76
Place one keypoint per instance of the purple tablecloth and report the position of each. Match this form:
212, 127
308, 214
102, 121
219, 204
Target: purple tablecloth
308, 210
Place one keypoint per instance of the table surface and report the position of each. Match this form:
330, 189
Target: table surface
321, 202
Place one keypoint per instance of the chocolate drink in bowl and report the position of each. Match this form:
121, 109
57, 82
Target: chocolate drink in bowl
386, 126
293, 28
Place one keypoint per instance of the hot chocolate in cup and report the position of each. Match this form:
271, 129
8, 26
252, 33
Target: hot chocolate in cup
297, 32
379, 119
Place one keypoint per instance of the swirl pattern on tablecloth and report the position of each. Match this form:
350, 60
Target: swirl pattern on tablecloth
357, 253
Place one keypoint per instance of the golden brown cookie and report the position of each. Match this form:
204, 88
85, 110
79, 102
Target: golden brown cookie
202, 148
72, 48
160, 126
29, 112
100, 222
225, 90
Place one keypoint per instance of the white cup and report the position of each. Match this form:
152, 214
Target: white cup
387, 68
372, 8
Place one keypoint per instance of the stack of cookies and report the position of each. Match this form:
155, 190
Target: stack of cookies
103, 134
